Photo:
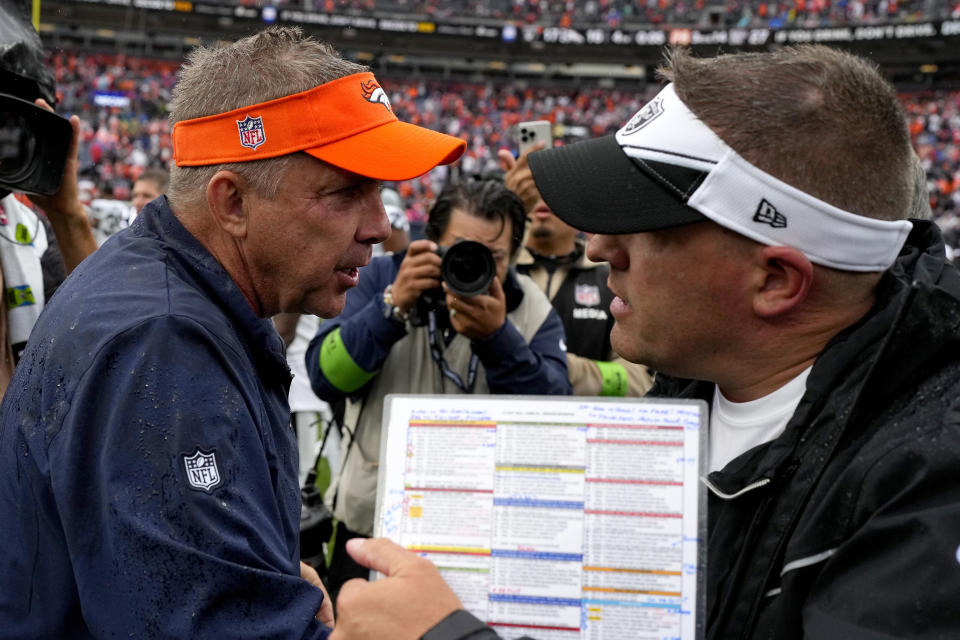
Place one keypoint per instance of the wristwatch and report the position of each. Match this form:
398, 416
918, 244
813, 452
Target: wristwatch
390, 310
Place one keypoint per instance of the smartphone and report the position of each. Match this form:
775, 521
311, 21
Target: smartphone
530, 133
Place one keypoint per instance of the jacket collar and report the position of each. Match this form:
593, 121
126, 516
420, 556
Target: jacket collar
158, 220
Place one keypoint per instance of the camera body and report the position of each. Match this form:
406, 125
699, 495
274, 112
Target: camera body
33, 141
468, 269
33, 147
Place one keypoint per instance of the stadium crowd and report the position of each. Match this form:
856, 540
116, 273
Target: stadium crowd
125, 135
621, 13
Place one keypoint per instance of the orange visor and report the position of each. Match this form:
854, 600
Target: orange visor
348, 123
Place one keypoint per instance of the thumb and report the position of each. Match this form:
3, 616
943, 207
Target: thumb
379, 554
496, 289
507, 161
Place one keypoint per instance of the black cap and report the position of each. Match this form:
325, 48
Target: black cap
595, 187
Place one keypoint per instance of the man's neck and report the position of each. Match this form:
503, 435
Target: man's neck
224, 250
551, 247
752, 387
782, 353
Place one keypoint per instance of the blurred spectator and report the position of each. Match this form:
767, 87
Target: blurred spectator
150, 185
109, 215
399, 224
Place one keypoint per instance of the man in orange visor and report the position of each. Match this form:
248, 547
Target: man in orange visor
147, 436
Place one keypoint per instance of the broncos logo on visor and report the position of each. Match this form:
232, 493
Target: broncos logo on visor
372, 92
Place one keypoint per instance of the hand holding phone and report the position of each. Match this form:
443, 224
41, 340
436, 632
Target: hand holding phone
534, 131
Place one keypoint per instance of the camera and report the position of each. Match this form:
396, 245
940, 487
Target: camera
33, 147
467, 267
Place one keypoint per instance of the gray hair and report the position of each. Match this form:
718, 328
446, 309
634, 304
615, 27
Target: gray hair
277, 62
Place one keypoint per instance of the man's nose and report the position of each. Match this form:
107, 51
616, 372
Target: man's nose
375, 226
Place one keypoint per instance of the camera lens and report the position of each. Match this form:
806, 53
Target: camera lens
17, 146
468, 268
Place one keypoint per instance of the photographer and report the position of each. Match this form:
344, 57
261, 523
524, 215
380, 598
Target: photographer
398, 334
38, 156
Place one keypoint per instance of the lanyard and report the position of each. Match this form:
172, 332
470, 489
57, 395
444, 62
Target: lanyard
436, 352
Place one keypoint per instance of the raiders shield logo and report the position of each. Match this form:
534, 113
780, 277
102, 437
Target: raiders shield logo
251, 130
202, 471
644, 117
587, 294
372, 92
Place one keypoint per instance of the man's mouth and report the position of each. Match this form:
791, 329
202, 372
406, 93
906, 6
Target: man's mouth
348, 276
619, 306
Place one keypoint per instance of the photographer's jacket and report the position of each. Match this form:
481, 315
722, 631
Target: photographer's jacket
148, 472
847, 526
364, 355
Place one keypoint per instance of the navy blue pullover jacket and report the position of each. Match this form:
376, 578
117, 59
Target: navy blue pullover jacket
148, 474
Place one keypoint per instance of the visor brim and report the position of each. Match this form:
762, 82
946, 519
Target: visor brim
393, 151
595, 187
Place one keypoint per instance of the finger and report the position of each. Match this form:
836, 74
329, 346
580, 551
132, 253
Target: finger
422, 269
75, 141
496, 289
325, 615
536, 147
423, 264
310, 574
350, 590
507, 161
450, 297
40, 102
380, 554
421, 246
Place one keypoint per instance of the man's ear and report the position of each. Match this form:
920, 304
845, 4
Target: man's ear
786, 278
225, 198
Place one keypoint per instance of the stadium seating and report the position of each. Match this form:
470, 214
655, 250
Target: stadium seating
617, 13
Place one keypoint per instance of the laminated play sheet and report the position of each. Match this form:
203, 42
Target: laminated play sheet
553, 517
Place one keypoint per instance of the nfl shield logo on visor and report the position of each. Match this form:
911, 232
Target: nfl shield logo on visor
202, 471
251, 130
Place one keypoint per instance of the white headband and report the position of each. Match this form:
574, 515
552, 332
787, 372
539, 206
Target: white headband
745, 199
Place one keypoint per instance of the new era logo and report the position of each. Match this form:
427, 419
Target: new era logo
768, 214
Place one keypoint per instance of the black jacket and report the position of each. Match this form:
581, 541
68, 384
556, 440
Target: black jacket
847, 526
